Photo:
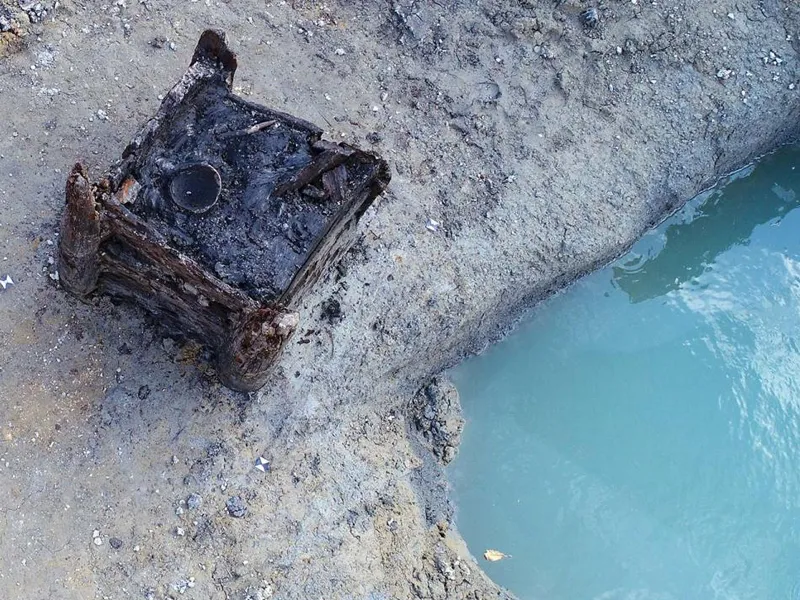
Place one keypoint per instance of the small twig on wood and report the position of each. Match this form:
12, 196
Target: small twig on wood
249, 130
259, 126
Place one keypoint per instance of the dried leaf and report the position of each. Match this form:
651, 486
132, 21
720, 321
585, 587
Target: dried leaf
495, 555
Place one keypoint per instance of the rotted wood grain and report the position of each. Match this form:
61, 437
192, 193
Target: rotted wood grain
79, 264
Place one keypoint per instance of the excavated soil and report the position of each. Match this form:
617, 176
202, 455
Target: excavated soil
526, 150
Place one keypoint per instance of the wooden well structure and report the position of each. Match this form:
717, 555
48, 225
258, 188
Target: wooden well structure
219, 217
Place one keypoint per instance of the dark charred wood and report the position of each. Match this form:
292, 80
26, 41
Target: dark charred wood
211, 47
226, 266
331, 157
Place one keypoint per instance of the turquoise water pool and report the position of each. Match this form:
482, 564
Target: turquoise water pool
639, 436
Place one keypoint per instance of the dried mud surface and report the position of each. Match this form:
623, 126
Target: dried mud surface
535, 149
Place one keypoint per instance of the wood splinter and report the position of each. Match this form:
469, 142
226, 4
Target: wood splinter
250, 130
229, 273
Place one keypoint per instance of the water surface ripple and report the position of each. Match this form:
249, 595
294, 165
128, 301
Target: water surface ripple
639, 436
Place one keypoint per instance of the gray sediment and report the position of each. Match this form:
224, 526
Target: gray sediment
527, 150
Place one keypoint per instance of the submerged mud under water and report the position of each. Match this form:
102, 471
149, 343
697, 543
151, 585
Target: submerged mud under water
639, 437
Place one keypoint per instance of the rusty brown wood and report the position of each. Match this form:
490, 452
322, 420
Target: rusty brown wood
252, 346
79, 265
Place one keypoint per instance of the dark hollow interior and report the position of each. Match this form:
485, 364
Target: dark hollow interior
251, 238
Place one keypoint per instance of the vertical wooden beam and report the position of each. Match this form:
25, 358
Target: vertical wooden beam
78, 248
213, 46
252, 347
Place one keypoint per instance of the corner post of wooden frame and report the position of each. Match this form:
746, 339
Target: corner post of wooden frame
79, 243
255, 342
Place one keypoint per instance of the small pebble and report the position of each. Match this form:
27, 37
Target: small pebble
724, 73
432, 225
236, 507
116, 543
590, 17
194, 501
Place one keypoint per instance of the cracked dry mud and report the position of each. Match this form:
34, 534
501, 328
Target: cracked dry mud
542, 148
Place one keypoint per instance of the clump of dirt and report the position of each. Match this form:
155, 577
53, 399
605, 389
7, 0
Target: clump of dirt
435, 413
17, 19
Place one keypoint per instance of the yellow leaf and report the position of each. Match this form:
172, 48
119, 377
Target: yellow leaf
494, 555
